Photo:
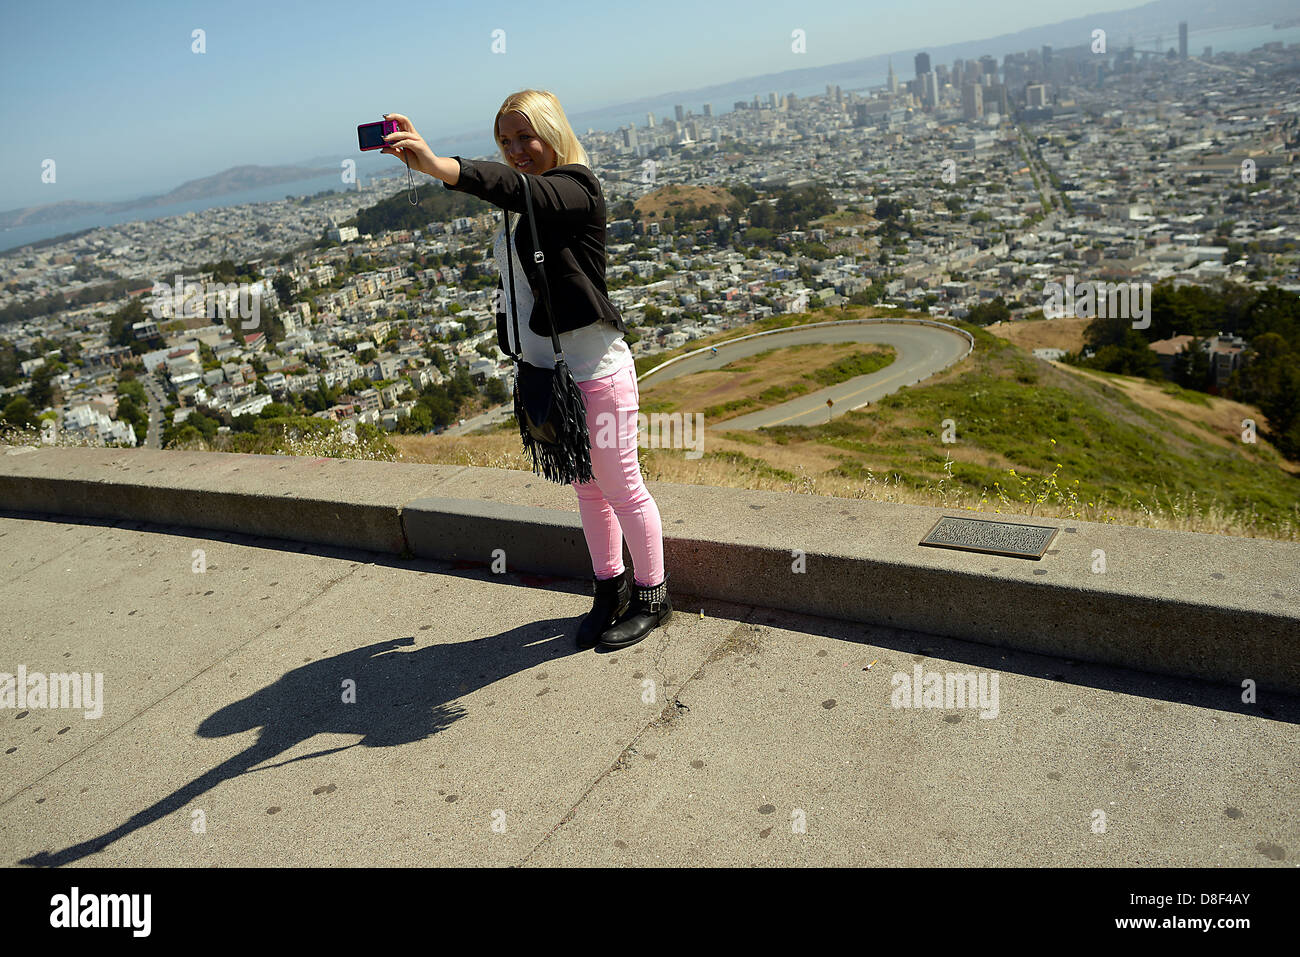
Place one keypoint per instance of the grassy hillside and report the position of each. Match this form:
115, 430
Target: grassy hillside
1032, 438
677, 197
764, 379
1048, 435
1067, 333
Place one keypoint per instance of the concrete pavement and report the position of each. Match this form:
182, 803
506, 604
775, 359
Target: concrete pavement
479, 735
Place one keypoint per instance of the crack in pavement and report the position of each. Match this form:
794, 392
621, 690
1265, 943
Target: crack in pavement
671, 710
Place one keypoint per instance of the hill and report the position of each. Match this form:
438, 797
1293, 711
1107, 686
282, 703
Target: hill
228, 181
1029, 334
676, 198
1033, 438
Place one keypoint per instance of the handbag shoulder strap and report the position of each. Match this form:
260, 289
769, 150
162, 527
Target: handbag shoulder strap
540, 259
510, 268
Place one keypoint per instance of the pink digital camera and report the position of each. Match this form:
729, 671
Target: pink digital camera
370, 136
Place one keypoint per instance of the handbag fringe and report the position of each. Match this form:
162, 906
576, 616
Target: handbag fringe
568, 460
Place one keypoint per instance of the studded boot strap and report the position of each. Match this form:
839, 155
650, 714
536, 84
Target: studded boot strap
654, 596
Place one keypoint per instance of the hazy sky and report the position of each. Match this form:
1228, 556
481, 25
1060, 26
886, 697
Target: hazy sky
114, 94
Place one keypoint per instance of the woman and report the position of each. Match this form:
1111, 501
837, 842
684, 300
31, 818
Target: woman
535, 139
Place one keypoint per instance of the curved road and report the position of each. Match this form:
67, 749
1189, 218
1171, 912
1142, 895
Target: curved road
922, 351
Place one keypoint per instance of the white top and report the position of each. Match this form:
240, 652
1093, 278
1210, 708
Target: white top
591, 352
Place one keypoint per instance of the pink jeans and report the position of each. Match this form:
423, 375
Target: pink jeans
618, 496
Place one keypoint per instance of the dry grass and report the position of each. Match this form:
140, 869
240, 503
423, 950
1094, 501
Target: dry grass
1218, 421
747, 378
1046, 497
1031, 334
1027, 498
676, 197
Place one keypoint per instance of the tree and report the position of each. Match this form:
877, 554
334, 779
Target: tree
1191, 367
119, 326
41, 392
128, 411
495, 390
19, 412
1132, 356
418, 421
283, 286
888, 209
867, 297
1271, 379
986, 313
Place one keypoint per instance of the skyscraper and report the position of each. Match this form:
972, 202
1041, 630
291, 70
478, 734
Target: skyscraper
893, 78
972, 101
708, 109
929, 89
1182, 40
995, 99
922, 61
677, 110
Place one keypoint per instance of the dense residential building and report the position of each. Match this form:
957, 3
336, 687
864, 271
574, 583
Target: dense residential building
1174, 170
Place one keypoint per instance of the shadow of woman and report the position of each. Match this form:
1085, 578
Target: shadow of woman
388, 697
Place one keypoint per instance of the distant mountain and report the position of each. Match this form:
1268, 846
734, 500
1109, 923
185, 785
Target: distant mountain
1141, 24
234, 180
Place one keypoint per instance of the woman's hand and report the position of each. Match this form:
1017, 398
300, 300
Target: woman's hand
409, 145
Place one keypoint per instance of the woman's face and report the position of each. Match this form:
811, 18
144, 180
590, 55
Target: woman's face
526, 150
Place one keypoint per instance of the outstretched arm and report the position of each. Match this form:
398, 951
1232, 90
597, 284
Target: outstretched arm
558, 197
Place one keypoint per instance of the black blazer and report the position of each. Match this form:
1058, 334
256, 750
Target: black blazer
570, 209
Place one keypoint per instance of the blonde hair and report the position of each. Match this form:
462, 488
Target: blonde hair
545, 115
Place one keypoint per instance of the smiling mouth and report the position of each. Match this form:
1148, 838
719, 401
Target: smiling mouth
521, 164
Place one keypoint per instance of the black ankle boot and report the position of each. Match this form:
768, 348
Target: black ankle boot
612, 599
650, 607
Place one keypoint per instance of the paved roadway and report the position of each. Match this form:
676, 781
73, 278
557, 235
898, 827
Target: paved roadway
156, 398
481, 736
922, 351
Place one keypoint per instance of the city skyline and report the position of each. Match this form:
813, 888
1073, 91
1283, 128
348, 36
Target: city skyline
121, 174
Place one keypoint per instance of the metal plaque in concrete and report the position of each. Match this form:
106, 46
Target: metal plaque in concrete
995, 538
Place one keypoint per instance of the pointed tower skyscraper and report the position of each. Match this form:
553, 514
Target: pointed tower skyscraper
893, 80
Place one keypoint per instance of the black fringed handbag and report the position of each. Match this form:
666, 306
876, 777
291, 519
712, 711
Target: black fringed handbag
549, 406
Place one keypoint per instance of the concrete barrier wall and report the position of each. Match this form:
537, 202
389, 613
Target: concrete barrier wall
1220, 608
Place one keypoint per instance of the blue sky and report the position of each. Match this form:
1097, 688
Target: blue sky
112, 92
